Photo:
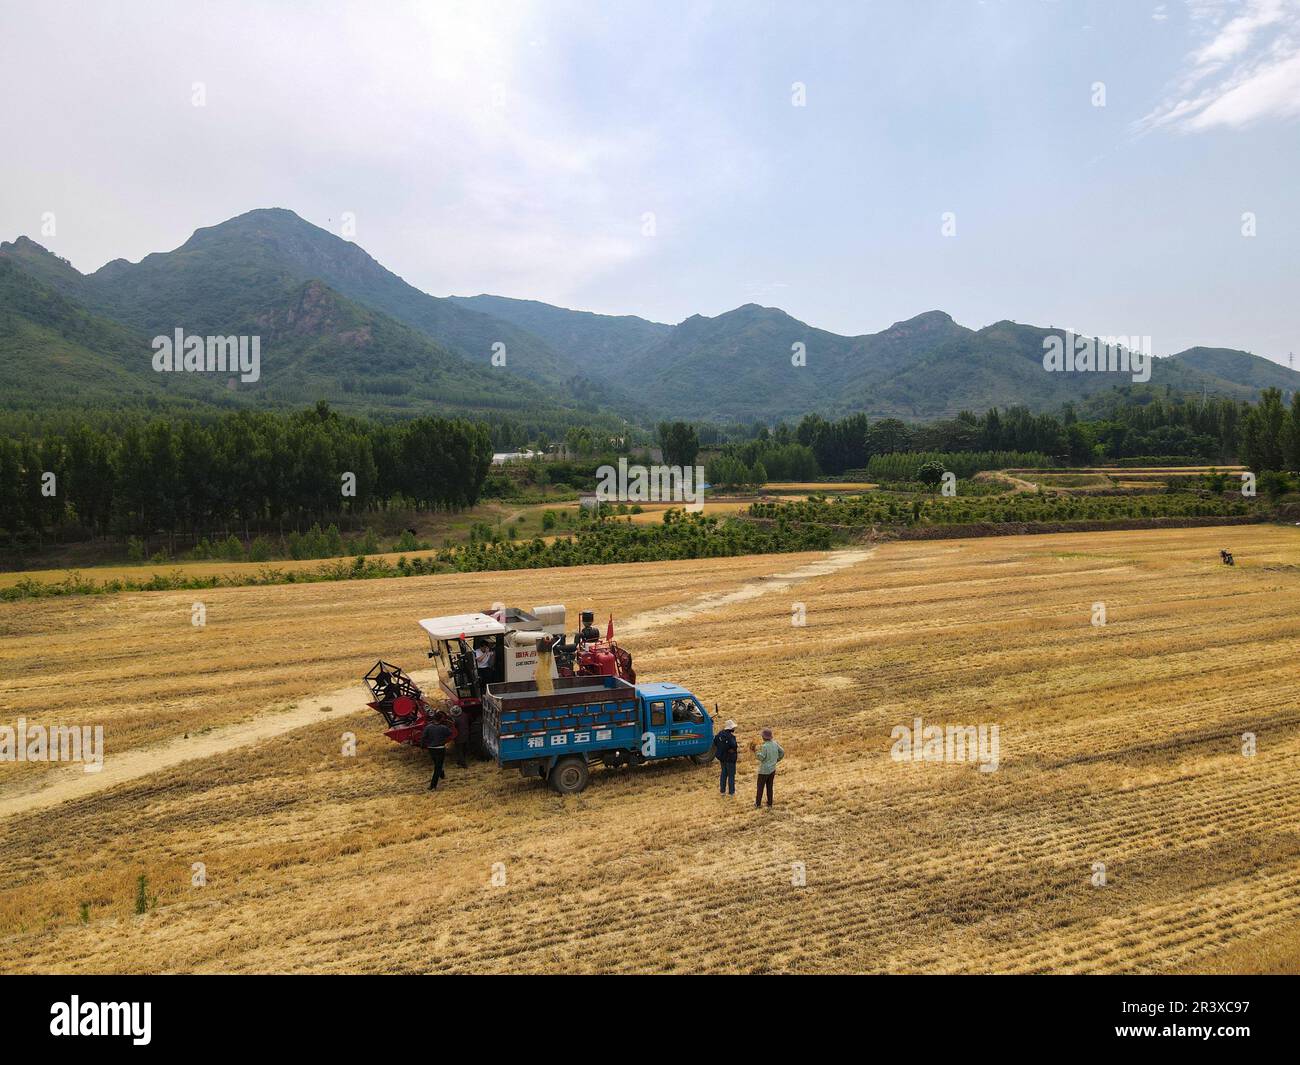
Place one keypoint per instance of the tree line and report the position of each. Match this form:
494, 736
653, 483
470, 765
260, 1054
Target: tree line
1264, 436
601, 542
245, 471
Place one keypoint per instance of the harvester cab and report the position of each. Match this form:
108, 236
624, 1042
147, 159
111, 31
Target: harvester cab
474, 650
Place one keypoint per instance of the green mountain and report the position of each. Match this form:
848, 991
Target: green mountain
594, 342
337, 325
1239, 368
55, 353
315, 344
47, 268
739, 365
977, 369
206, 283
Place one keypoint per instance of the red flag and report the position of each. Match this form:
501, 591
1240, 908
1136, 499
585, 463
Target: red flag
609, 631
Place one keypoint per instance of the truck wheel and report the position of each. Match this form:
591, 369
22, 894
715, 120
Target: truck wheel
702, 759
569, 775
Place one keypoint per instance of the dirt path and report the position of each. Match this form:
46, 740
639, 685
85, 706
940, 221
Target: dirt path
74, 783
641, 624
1016, 484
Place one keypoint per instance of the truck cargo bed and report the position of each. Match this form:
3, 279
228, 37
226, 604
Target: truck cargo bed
581, 714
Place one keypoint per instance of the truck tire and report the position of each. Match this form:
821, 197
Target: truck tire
569, 775
702, 759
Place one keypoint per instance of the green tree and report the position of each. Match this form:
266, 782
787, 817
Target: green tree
888, 435
1292, 438
680, 443
1262, 440
930, 474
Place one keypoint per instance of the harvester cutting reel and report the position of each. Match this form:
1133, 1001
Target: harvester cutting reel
395, 695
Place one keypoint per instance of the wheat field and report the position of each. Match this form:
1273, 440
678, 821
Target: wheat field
1121, 745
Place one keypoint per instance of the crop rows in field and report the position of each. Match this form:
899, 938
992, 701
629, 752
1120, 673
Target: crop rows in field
679, 535
1121, 744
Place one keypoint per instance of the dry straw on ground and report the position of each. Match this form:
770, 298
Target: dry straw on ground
1119, 744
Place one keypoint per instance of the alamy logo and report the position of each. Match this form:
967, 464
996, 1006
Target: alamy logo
1076, 354
55, 743
102, 1018
652, 484
208, 354
951, 743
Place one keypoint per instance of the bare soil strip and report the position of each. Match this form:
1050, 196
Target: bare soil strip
778, 582
75, 783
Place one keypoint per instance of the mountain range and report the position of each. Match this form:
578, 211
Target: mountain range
337, 325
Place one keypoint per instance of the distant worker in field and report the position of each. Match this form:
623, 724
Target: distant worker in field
434, 740
769, 752
724, 749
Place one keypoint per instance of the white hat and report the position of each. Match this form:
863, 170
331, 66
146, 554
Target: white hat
730, 725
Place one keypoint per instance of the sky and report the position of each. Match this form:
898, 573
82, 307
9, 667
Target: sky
1085, 165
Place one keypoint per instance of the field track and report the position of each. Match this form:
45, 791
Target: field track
1120, 744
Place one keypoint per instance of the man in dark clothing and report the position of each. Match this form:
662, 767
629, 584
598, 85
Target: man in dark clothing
724, 747
434, 740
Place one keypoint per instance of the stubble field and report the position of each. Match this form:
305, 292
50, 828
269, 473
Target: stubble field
1120, 745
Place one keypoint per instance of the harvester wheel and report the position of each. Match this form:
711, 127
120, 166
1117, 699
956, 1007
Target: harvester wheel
570, 775
477, 747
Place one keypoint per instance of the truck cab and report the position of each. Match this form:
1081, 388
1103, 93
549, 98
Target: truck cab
674, 721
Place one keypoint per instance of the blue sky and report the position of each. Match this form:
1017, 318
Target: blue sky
519, 148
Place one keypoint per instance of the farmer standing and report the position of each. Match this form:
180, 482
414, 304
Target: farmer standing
724, 746
434, 740
769, 753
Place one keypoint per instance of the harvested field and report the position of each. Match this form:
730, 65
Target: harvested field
1119, 744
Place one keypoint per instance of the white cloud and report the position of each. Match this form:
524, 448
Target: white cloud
465, 136
1246, 70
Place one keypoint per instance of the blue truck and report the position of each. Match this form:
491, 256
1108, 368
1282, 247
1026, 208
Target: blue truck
558, 735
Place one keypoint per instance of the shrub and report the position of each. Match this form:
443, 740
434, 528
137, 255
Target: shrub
406, 542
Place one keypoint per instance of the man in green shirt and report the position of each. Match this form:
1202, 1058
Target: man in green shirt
769, 753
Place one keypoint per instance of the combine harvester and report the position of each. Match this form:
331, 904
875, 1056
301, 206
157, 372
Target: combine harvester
547, 707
